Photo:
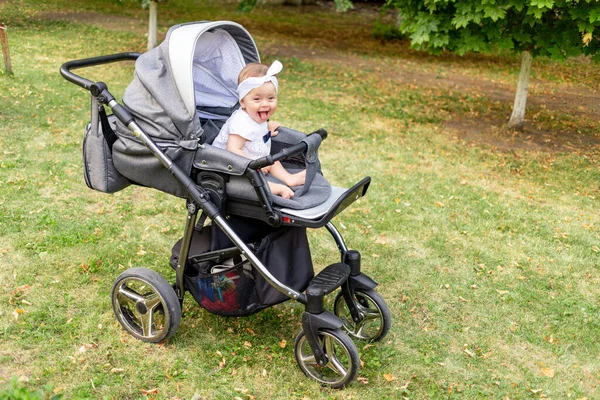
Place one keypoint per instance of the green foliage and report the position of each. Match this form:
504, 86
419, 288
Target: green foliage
553, 28
246, 6
15, 391
343, 5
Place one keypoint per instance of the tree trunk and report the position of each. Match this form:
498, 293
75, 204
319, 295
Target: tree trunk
152, 8
517, 119
5, 52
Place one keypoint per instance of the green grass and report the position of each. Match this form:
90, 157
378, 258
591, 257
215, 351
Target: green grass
487, 255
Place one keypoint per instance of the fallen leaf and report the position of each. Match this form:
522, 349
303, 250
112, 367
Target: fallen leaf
469, 353
149, 391
389, 377
247, 344
502, 292
283, 343
117, 370
363, 380
549, 372
595, 249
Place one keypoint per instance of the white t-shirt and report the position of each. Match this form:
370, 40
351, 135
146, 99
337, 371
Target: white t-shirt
241, 124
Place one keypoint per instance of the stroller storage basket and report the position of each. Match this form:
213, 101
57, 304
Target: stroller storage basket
230, 286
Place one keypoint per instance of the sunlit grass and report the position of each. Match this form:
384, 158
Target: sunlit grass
487, 256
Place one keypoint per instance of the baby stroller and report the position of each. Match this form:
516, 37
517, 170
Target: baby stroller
254, 252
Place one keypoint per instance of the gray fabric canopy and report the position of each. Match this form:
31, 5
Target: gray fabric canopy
185, 69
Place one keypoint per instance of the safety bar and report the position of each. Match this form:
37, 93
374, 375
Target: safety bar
285, 153
65, 69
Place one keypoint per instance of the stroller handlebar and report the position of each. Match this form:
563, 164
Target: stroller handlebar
285, 153
65, 69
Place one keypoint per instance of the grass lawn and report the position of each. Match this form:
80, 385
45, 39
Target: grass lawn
486, 243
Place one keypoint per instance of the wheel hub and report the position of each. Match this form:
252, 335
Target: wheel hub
141, 307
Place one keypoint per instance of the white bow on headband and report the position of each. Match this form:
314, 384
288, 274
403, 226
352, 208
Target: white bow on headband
252, 83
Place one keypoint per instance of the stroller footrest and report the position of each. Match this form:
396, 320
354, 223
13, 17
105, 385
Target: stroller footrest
329, 279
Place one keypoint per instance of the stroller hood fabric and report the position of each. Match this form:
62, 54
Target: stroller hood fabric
171, 79
187, 68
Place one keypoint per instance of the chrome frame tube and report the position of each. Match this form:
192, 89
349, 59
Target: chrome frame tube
184, 252
339, 240
140, 134
260, 267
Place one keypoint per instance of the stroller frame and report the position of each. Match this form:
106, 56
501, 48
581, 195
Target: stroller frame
323, 332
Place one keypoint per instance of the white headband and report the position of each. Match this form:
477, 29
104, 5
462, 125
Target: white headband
252, 83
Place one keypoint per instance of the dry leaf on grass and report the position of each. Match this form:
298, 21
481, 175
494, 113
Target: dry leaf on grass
149, 391
389, 377
283, 343
549, 372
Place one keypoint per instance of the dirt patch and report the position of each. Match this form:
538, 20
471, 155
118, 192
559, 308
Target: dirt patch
112, 22
494, 134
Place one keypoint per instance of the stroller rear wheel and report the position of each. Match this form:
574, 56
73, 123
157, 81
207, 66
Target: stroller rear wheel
146, 305
341, 354
375, 317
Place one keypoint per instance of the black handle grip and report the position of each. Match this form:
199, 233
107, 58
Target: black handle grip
65, 69
321, 132
285, 153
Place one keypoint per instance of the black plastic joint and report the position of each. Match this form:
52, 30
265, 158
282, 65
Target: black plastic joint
274, 219
315, 300
97, 88
352, 259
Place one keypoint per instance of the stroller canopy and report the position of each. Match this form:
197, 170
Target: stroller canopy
206, 58
189, 75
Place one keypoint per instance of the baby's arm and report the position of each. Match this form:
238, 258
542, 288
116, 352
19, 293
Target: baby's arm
235, 144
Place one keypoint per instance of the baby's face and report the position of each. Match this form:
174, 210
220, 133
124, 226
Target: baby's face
260, 103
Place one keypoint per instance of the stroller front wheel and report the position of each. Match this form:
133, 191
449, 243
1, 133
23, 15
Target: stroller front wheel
375, 318
341, 355
146, 305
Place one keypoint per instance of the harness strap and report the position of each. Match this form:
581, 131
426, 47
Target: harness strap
109, 135
311, 161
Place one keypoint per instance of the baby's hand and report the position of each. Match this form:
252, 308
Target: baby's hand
273, 126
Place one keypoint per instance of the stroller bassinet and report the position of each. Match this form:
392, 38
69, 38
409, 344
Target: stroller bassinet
181, 94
